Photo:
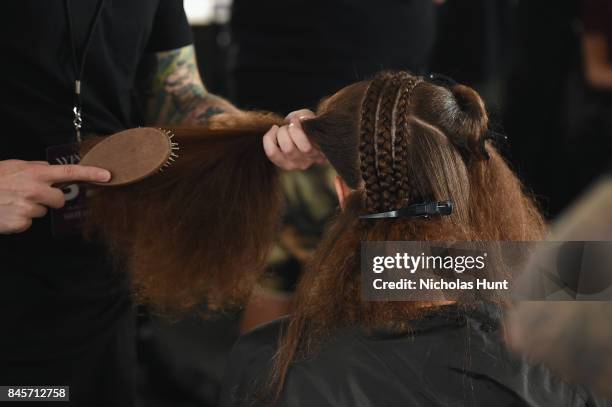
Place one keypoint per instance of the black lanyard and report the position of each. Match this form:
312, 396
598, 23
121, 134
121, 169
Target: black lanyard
78, 68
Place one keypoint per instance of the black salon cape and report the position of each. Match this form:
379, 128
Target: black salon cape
65, 312
453, 358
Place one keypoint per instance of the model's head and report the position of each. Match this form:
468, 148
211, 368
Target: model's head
395, 141
401, 139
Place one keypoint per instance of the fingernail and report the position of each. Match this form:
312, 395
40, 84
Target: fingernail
104, 175
291, 124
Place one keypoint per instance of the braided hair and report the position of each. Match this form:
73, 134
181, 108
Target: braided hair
390, 114
384, 136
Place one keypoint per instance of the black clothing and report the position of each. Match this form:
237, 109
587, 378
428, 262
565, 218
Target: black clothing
453, 358
66, 313
290, 53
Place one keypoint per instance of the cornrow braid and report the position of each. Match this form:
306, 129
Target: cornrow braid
384, 135
385, 144
401, 134
367, 148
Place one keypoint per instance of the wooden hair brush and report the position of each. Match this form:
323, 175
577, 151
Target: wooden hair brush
132, 155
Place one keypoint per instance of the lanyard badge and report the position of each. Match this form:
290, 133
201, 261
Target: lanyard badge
68, 220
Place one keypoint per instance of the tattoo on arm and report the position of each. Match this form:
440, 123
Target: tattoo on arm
178, 95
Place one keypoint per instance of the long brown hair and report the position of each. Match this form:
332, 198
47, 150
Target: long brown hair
198, 233
398, 140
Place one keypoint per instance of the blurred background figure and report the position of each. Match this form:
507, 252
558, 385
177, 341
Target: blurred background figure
557, 114
589, 94
573, 338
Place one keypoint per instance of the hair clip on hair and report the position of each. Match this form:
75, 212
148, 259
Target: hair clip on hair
424, 210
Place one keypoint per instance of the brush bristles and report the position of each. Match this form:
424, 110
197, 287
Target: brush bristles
174, 147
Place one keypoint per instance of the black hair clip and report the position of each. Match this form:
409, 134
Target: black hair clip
424, 210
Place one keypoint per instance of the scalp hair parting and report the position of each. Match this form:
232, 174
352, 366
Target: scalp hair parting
198, 233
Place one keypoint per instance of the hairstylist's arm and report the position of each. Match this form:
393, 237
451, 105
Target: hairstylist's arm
177, 94
288, 146
26, 190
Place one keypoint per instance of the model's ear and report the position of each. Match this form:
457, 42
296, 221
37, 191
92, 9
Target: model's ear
342, 190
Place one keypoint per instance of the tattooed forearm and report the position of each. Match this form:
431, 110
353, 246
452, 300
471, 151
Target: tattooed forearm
178, 95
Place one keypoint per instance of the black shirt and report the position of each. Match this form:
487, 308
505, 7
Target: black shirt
59, 295
37, 74
453, 357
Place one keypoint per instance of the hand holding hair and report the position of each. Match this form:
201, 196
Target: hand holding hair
288, 146
27, 189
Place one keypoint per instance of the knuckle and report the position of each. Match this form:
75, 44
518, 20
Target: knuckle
30, 213
69, 171
292, 115
294, 131
20, 202
29, 192
274, 154
24, 210
305, 114
32, 171
300, 113
285, 143
12, 163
